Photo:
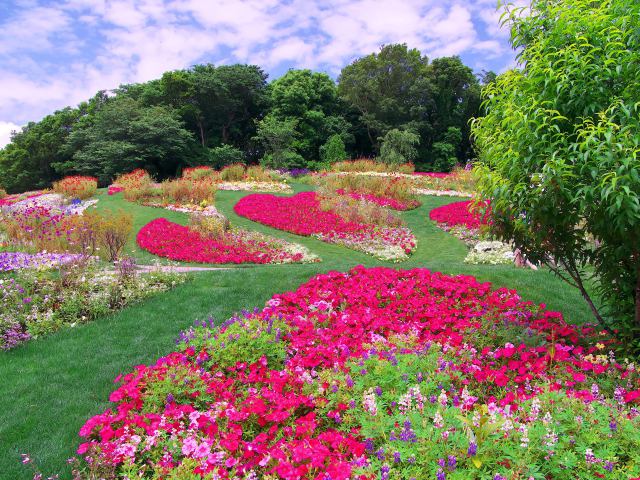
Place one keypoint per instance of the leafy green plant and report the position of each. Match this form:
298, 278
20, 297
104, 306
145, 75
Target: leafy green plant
224, 155
398, 147
332, 151
558, 150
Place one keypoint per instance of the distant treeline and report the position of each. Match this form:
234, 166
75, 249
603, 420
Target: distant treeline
216, 115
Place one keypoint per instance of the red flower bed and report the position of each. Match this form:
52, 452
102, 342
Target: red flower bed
266, 393
177, 242
380, 200
301, 214
457, 214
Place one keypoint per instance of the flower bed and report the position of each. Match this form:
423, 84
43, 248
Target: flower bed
36, 304
379, 200
377, 373
457, 214
10, 200
177, 242
77, 186
10, 261
301, 214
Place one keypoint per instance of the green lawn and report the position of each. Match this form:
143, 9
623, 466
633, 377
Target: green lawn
51, 386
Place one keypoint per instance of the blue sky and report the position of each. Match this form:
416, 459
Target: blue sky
58, 53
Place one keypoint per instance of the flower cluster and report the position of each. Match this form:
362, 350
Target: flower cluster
377, 373
457, 214
10, 261
113, 189
177, 242
378, 200
76, 186
10, 200
33, 303
301, 214
490, 253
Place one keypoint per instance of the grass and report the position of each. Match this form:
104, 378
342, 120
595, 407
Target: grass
52, 385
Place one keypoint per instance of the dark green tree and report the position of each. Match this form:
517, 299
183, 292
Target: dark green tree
124, 135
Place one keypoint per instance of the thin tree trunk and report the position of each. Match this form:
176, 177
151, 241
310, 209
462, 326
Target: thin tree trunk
201, 127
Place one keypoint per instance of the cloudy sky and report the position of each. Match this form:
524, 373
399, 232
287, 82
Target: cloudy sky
60, 52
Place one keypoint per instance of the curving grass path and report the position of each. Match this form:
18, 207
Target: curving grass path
49, 387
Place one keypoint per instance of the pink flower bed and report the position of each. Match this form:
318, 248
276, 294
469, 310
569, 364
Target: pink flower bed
18, 197
358, 374
301, 214
113, 189
177, 242
379, 200
457, 214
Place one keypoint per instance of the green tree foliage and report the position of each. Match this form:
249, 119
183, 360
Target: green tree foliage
332, 151
278, 138
311, 100
559, 148
398, 88
399, 146
124, 135
444, 152
224, 155
28, 161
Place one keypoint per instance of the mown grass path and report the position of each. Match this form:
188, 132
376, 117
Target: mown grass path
49, 387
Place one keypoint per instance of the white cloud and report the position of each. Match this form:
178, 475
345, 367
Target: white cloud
6, 128
57, 55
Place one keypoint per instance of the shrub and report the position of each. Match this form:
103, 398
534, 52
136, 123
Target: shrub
398, 147
76, 187
184, 190
225, 155
369, 165
135, 179
395, 188
257, 173
233, 173
197, 173
358, 210
114, 230
558, 150
3, 193
214, 226
332, 151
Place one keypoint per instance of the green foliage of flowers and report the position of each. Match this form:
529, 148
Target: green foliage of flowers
415, 429
242, 338
37, 302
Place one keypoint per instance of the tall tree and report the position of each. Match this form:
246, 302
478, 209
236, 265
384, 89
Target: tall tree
310, 101
124, 135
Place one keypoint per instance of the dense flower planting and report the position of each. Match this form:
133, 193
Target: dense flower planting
457, 214
177, 242
301, 214
9, 200
114, 189
10, 261
378, 200
35, 303
377, 373
76, 186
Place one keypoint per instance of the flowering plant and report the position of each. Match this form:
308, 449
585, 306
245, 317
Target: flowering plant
76, 186
177, 242
302, 214
377, 373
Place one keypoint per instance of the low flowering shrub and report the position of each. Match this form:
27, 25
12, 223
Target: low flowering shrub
77, 186
197, 173
392, 192
10, 261
376, 373
490, 253
36, 303
189, 190
3, 193
302, 214
369, 165
233, 173
177, 242
460, 180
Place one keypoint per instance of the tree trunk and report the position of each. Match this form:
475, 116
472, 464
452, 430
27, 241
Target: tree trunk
201, 127
225, 134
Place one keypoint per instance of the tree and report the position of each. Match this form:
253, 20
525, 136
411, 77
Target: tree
224, 155
389, 89
311, 100
558, 149
332, 151
444, 152
122, 136
278, 137
399, 146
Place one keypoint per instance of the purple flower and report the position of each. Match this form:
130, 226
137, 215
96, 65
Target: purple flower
473, 449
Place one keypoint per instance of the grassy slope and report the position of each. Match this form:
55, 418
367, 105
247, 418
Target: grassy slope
51, 386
